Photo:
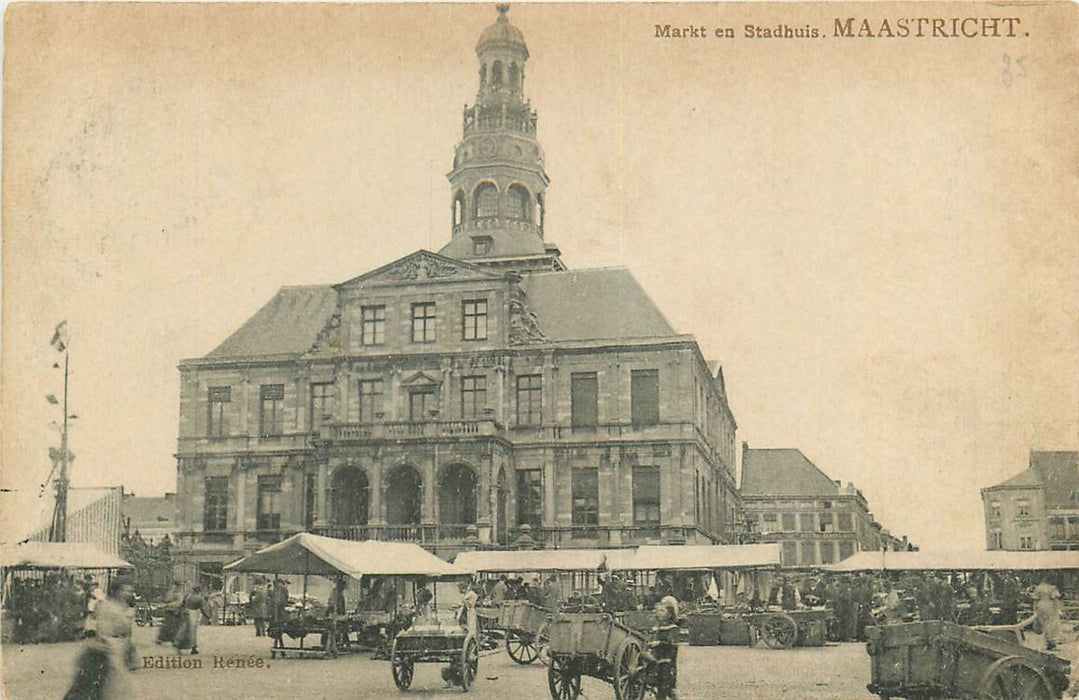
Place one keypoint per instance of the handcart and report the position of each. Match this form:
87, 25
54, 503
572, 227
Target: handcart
595, 645
525, 626
937, 659
435, 642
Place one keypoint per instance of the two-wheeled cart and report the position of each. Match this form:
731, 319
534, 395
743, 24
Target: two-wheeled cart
525, 627
595, 645
935, 659
453, 645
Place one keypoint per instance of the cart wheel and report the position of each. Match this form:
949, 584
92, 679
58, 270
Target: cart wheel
541, 643
1014, 678
563, 679
627, 682
470, 662
521, 648
402, 673
780, 631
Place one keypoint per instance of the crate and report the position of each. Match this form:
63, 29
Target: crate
735, 631
704, 629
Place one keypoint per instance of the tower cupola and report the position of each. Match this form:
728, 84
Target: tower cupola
498, 183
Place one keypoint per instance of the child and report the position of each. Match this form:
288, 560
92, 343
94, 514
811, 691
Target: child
663, 648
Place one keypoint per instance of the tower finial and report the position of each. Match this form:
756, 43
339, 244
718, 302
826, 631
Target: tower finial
502, 10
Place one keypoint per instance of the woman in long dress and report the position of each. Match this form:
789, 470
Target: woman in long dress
191, 612
1047, 610
102, 672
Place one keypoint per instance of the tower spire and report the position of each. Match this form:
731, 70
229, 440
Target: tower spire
498, 183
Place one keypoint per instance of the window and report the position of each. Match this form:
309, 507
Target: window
585, 501
846, 522
644, 396
518, 203
809, 553
827, 552
473, 397
370, 399
646, 497
995, 540
486, 201
826, 523
584, 399
790, 553
769, 524
219, 398
1026, 542
373, 325
321, 403
1056, 527
530, 497
215, 508
1023, 509
994, 509
269, 503
788, 522
481, 245
529, 399
271, 410
805, 522
474, 317
421, 402
423, 322
846, 549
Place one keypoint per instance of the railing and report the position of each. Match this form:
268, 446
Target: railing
456, 531
404, 430
420, 534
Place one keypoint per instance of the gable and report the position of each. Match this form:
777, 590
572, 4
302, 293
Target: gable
418, 268
783, 472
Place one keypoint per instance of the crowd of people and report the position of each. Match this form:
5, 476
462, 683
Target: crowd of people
51, 608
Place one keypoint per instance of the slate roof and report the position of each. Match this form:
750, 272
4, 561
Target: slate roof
1056, 472
597, 304
287, 325
504, 244
783, 472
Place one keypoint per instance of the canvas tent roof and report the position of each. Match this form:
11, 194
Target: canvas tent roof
60, 555
531, 560
957, 561
700, 557
305, 553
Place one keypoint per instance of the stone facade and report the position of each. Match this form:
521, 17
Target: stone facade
484, 396
1036, 509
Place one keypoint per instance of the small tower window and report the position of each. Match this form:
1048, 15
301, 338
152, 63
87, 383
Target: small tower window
515, 75
486, 201
459, 209
496, 74
519, 204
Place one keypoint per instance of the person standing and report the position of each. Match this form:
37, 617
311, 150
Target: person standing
171, 610
192, 610
1047, 610
102, 672
498, 592
259, 602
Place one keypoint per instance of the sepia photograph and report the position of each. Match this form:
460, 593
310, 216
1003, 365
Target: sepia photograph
569, 350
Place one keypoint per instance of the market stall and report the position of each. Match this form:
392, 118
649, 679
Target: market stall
308, 555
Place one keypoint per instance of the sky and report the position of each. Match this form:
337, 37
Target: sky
876, 238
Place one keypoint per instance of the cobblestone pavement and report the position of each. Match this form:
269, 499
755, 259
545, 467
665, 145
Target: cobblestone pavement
45, 671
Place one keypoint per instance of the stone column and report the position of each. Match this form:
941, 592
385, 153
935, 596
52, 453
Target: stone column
322, 485
429, 472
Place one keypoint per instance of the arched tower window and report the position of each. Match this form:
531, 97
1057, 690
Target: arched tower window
459, 209
486, 201
483, 75
496, 74
519, 204
515, 76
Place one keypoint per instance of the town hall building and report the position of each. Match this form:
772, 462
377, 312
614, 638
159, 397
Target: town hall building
481, 396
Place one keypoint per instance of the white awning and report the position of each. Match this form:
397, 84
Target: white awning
60, 555
531, 560
699, 557
957, 561
305, 553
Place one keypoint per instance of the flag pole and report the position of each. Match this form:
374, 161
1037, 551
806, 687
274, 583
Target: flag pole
59, 518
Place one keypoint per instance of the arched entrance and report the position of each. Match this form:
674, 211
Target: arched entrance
457, 495
351, 496
500, 520
404, 496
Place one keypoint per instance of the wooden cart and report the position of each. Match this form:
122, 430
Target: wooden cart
596, 645
435, 643
938, 659
783, 629
525, 627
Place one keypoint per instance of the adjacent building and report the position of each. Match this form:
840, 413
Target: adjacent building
483, 395
153, 518
1038, 508
817, 520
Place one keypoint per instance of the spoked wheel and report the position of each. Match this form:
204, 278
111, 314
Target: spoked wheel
521, 647
1014, 678
470, 663
780, 631
402, 673
627, 680
563, 679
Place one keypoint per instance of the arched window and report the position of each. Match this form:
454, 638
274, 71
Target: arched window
457, 495
486, 201
515, 75
496, 74
404, 494
483, 75
459, 209
350, 497
519, 204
